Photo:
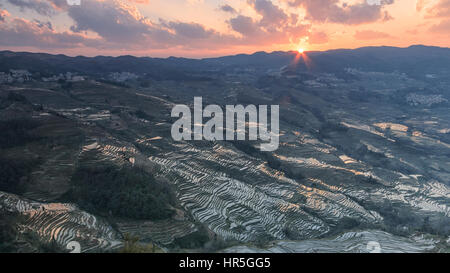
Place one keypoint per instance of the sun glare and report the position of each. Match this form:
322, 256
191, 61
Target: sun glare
301, 50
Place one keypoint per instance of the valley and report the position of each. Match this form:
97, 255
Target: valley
364, 156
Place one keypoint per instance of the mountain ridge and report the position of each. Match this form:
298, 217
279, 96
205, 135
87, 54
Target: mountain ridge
415, 60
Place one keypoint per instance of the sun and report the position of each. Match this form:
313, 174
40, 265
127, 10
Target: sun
300, 50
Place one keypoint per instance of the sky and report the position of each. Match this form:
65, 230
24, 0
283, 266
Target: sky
207, 28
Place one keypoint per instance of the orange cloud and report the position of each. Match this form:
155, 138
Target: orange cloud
350, 14
441, 9
442, 27
370, 35
318, 37
140, 1
3, 15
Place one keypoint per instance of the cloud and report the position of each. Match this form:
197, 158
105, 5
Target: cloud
190, 30
442, 27
244, 25
122, 25
21, 32
42, 7
194, 2
370, 35
273, 27
139, 1
119, 25
420, 4
350, 14
271, 14
318, 37
3, 14
41, 24
440, 9
227, 8
115, 21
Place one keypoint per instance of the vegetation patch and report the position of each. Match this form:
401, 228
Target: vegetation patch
17, 132
15, 174
126, 192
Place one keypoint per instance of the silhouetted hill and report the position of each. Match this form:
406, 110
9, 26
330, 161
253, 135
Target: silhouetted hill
415, 61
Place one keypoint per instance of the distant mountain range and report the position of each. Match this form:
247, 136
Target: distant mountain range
415, 61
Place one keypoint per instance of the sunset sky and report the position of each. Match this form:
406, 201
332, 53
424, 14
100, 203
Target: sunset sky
204, 28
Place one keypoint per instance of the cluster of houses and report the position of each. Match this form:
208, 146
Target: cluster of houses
69, 76
427, 100
19, 76
122, 76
